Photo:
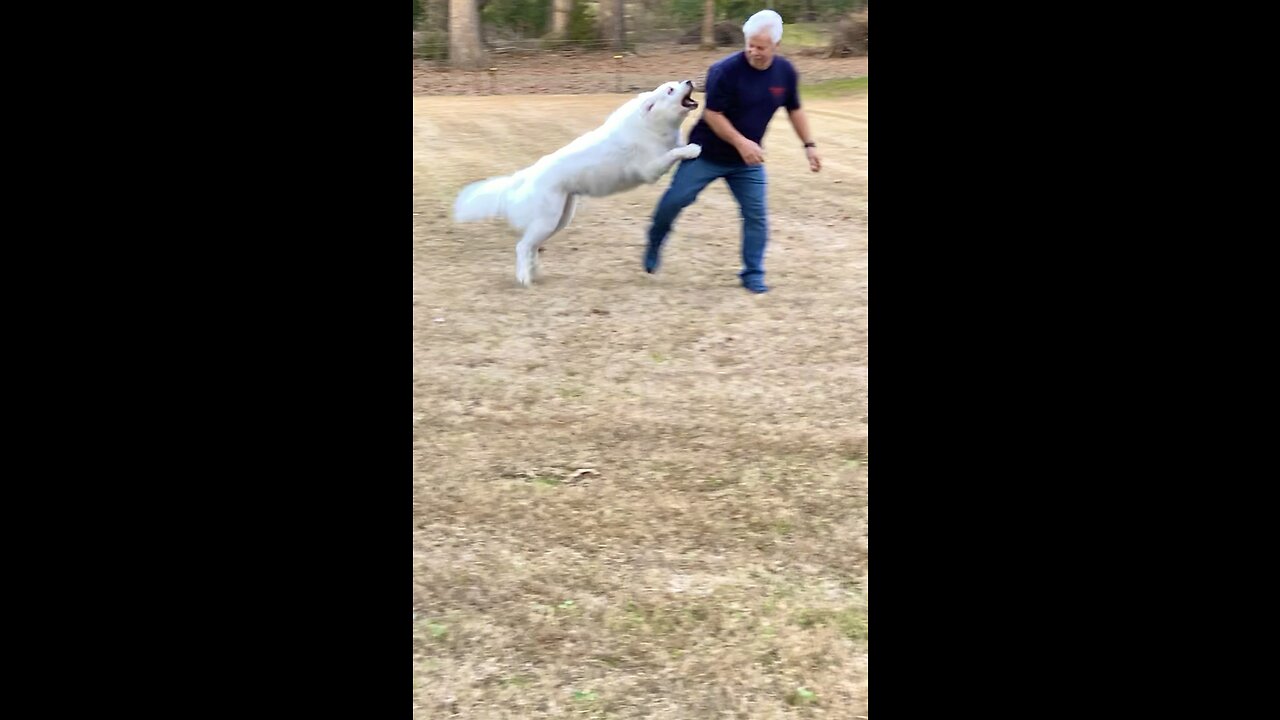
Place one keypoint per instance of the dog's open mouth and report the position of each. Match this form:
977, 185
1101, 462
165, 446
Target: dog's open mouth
687, 100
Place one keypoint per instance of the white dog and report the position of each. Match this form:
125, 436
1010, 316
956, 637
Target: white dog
637, 144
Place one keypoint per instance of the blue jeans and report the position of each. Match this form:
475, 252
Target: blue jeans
747, 182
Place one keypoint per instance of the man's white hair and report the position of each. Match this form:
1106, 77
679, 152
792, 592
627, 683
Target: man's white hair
764, 20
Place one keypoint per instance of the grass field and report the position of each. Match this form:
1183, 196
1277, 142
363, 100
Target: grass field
639, 496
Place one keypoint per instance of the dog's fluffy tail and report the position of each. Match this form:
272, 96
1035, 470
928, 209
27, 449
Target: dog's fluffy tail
486, 199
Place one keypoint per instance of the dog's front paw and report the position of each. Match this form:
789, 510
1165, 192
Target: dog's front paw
691, 151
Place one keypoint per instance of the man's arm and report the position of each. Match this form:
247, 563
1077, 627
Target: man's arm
801, 124
720, 125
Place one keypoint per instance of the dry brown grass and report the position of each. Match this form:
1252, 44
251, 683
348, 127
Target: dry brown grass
714, 564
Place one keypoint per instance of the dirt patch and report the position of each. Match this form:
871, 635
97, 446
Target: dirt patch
639, 496
591, 73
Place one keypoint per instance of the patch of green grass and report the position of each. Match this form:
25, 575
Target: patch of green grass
517, 681
810, 618
802, 696
840, 87
673, 620
851, 621
798, 35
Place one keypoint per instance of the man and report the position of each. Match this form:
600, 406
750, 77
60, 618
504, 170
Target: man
743, 91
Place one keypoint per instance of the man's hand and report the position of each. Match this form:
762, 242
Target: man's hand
750, 152
815, 162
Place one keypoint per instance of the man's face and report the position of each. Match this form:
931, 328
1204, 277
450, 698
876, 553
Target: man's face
760, 49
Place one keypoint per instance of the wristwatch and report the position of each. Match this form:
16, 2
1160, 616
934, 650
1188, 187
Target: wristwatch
811, 145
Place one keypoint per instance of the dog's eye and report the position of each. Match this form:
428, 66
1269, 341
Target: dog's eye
670, 90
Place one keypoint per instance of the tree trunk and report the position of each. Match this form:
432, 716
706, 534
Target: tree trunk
709, 25
612, 23
466, 52
560, 11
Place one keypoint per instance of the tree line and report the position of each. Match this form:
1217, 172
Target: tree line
456, 29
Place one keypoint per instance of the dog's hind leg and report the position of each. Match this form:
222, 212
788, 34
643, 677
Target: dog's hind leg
570, 206
566, 216
527, 249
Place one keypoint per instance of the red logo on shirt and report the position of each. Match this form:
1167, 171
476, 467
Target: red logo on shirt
777, 92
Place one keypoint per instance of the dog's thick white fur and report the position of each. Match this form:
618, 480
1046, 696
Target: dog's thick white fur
637, 144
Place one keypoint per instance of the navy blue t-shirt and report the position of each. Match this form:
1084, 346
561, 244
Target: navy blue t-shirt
748, 98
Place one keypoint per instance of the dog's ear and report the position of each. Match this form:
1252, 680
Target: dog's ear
648, 107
